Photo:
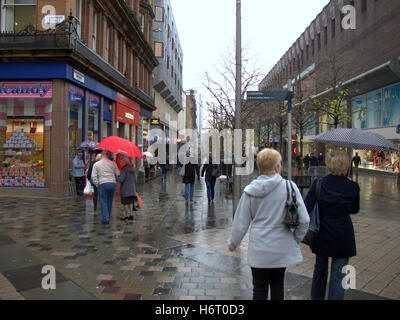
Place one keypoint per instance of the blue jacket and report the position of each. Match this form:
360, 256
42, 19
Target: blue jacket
339, 198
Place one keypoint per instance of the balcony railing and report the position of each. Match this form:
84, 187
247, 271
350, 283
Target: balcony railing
64, 36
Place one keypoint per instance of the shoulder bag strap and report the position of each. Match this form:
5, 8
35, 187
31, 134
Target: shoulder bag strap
293, 194
288, 192
318, 190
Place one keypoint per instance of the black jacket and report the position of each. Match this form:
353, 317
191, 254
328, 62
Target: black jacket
208, 169
339, 198
191, 170
128, 181
89, 172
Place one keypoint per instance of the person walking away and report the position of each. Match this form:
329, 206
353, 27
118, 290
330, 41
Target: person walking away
272, 246
104, 176
89, 177
128, 189
212, 172
164, 170
357, 161
313, 166
191, 170
79, 173
306, 161
146, 165
320, 159
339, 197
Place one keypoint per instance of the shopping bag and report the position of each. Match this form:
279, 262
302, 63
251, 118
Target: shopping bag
88, 188
139, 200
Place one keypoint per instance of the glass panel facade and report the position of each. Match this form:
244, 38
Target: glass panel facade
376, 109
93, 118
75, 120
18, 14
25, 130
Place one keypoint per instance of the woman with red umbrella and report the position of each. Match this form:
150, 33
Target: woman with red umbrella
128, 188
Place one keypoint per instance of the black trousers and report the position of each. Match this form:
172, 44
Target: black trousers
264, 279
95, 197
80, 185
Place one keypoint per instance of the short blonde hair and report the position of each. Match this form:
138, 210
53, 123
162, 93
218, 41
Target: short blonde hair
268, 160
337, 162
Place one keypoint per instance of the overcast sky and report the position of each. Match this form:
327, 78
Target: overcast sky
207, 28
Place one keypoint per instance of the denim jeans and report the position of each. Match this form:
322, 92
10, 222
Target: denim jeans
211, 189
187, 185
106, 195
320, 277
164, 172
264, 279
312, 171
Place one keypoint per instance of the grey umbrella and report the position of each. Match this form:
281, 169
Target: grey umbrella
356, 139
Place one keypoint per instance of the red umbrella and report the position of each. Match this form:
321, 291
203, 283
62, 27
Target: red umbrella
120, 146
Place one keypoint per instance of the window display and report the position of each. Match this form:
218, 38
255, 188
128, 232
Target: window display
22, 154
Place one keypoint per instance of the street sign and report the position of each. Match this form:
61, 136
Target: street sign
269, 95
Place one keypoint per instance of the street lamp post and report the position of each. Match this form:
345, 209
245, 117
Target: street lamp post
238, 100
289, 142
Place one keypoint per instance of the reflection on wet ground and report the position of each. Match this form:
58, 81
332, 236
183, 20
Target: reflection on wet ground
148, 258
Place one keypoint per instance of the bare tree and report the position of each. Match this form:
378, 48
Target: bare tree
221, 86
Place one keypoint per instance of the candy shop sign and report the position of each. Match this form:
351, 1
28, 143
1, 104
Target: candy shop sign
26, 90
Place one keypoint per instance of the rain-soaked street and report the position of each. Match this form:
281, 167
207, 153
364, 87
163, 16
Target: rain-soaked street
172, 251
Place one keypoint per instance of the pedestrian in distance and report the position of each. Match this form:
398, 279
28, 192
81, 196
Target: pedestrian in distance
312, 171
272, 246
189, 177
79, 173
339, 197
357, 161
104, 178
128, 189
164, 170
212, 172
89, 177
306, 161
320, 159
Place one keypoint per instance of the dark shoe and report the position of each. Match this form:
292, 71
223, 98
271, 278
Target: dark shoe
124, 218
130, 218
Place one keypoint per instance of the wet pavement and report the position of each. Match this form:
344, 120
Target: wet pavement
172, 251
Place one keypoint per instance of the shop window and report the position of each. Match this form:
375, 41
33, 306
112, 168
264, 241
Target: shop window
107, 120
25, 129
93, 118
18, 14
75, 120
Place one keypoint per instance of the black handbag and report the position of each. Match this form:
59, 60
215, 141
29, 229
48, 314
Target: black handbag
313, 229
292, 219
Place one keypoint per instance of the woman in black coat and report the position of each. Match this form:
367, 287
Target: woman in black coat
339, 198
191, 170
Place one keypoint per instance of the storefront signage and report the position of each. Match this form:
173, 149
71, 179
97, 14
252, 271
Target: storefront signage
94, 101
26, 90
75, 94
129, 116
155, 121
79, 76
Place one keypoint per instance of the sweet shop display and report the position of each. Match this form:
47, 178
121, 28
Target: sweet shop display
21, 166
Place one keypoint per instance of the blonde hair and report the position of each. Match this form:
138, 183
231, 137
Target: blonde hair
268, 160
98, 156
337, 162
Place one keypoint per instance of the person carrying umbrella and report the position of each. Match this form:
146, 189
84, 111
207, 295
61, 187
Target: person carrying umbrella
89, 176
128, 189
191, 170
104, 176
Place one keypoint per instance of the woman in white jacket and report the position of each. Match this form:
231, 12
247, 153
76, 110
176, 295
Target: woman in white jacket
272, 245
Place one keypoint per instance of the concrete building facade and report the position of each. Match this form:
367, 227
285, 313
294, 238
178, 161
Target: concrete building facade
364, 58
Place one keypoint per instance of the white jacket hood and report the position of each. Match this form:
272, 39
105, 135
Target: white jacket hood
263, 186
